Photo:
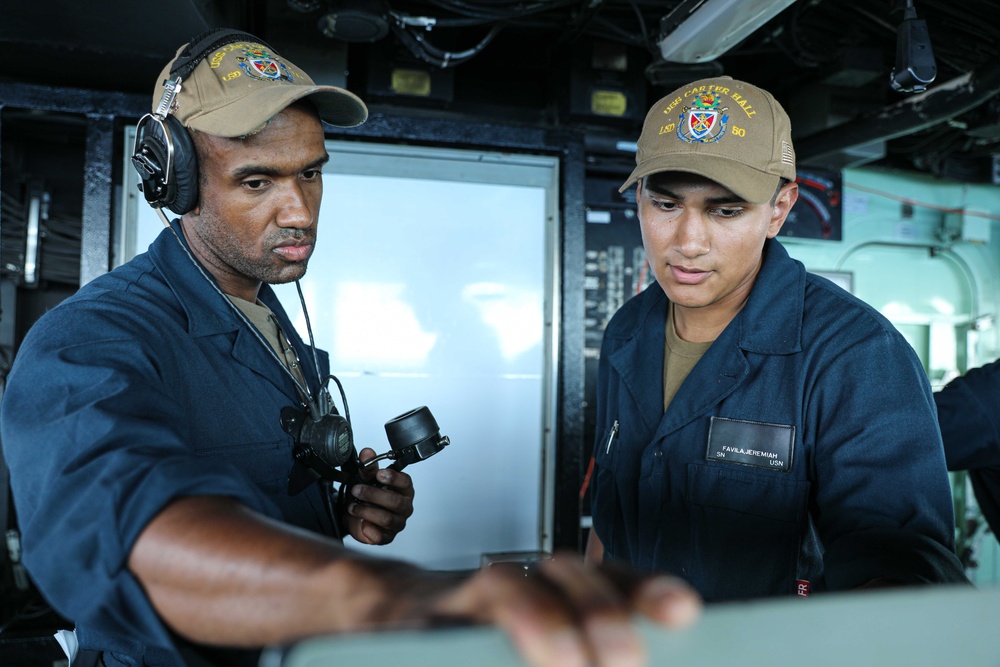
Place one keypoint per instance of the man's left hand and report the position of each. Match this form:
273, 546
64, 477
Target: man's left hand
375, 514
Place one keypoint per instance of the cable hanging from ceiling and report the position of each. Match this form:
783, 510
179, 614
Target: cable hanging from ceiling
420, 46
412, 31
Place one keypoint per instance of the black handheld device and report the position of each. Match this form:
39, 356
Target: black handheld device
324, 447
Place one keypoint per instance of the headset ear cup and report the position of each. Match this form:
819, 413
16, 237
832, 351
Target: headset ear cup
149, 158
185, 176
174, 188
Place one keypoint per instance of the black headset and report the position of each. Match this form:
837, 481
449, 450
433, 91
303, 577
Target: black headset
163, 153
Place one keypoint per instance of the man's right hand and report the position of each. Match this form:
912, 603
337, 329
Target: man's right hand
567, 613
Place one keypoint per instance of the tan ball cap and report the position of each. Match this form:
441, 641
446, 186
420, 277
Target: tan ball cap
729, 131
240, 86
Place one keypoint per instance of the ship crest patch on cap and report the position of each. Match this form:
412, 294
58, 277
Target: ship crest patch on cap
704, 122
261, 65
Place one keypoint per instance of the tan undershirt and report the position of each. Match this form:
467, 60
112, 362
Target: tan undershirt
679, 357
265, 321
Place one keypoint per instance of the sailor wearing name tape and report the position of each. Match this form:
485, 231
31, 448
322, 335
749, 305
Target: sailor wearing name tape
760, 431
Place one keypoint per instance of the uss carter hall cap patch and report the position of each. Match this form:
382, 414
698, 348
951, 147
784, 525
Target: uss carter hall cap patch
729, 131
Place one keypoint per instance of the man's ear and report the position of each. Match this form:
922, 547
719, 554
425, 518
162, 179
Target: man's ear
782, 206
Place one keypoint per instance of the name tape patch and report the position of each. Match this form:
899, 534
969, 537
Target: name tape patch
751, 443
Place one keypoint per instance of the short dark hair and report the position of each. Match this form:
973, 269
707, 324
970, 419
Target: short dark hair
782, 182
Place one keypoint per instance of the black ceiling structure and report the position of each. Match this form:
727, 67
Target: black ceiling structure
539, 61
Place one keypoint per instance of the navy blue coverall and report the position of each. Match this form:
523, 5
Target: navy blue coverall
801, 453
969, 413
141, 388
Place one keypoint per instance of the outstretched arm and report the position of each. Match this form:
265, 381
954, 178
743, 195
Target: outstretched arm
219, 573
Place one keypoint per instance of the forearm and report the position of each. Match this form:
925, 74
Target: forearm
594, 553
219, 573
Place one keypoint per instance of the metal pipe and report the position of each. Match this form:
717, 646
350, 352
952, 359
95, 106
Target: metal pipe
919, 112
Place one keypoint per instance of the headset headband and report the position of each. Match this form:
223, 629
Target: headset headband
204, 44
